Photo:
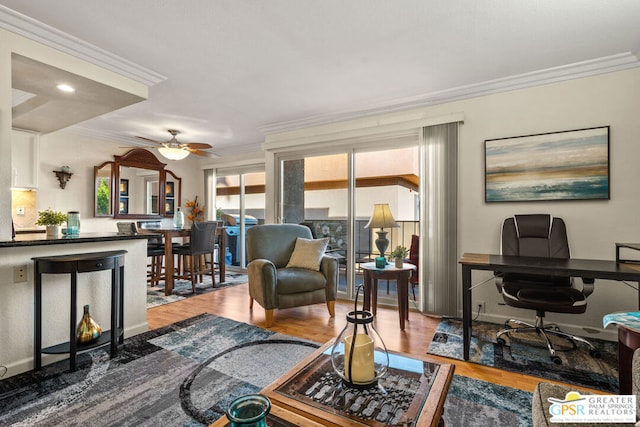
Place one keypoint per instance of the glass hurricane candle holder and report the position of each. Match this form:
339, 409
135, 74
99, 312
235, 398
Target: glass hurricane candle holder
363, 360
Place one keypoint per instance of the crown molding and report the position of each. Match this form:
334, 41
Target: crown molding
608, 64
32, 29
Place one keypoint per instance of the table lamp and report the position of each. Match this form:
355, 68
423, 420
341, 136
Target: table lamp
381, 218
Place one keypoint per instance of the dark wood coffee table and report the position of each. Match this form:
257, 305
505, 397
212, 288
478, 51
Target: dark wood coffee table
416, 390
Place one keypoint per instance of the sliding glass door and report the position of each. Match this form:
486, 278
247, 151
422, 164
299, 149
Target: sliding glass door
333, 194
240, 204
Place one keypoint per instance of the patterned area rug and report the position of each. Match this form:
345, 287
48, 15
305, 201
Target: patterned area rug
168, 377
182, 289
528, 354
493, 405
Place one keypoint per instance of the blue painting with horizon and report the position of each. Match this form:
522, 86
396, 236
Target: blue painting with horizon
570, 165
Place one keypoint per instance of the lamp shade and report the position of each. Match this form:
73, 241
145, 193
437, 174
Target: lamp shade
381, 217
173, 153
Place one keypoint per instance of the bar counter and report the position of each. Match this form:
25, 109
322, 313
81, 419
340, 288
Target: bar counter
37, 239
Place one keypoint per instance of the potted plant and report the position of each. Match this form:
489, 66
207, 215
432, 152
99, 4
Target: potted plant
52, 220
399, 254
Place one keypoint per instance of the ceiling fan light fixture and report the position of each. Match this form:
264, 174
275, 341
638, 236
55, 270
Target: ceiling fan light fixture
173, 153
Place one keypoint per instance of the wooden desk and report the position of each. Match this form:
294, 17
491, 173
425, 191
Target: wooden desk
390, 272
585, 268
168, 234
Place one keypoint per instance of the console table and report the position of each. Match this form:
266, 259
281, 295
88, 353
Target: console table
73, 264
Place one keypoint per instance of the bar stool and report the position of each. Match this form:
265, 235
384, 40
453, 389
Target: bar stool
74, 264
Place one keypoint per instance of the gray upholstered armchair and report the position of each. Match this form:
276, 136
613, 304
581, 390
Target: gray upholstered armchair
273, 284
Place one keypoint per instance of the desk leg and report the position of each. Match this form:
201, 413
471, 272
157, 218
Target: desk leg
168, 265
466, 310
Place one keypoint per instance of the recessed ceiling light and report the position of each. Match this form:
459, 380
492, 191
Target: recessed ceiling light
66, 88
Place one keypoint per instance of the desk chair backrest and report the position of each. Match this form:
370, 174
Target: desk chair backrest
536, 235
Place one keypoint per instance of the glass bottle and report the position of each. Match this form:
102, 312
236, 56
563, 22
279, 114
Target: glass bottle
88, 330
178, 218
73, 223
249, 411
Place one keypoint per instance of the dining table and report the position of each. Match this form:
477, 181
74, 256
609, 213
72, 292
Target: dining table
168, 233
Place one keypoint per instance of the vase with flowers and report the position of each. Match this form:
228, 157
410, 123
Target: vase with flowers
196, 212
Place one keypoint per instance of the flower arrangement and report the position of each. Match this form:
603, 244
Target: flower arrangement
196, 212
50, 217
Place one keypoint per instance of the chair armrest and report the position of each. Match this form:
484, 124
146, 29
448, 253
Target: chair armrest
329, 268
262, 275
587, 286
499, 281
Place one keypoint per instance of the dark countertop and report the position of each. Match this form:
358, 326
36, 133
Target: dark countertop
37, 239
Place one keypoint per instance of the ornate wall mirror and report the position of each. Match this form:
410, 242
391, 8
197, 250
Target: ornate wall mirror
141, 187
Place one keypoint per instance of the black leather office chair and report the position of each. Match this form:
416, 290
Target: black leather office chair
545, 237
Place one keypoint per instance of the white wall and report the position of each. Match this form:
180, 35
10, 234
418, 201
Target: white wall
593, 226
82, 154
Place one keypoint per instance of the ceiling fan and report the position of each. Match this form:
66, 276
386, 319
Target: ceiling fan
176, 150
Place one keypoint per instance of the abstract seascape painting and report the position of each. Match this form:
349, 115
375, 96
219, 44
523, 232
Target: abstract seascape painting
568, 165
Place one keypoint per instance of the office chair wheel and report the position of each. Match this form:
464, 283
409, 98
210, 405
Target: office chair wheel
595, 354
556, 360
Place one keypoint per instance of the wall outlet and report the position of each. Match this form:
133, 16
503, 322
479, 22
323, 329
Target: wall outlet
19, 273
481, 307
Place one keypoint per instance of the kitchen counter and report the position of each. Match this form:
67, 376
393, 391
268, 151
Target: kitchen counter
37, 239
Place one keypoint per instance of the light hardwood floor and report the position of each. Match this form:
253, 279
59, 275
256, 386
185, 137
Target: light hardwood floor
313, 323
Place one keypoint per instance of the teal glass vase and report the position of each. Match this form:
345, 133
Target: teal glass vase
249, 411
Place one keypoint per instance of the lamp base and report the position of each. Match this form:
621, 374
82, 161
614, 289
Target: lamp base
382, 243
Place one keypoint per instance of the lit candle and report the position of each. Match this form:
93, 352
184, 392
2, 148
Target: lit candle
362, 370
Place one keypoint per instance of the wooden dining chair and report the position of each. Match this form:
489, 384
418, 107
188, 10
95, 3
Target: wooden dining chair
202, 242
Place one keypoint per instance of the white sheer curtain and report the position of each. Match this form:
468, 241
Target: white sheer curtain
439, 184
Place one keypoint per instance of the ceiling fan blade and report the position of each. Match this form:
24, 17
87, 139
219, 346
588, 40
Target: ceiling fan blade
197, 145
150, 140
198, 152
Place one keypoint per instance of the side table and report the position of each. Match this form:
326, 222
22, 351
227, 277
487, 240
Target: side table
628, 341
401, 275
74, 264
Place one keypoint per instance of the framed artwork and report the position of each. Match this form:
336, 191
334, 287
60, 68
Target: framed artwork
568, 165
124, 205
169, 207
124, 187
169, 190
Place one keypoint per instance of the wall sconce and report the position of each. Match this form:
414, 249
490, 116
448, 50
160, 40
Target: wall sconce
63, 177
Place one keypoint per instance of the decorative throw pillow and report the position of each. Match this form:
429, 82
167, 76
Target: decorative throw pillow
308, 253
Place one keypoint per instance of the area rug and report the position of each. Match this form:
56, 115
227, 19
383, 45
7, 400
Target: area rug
475, 403
167, 377
182, 289
528, 354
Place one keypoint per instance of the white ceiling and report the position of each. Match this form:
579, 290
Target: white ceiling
236, 69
